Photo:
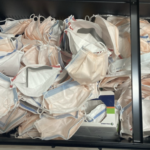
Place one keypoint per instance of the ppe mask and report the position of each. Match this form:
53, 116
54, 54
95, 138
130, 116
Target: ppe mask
66, 93
145, 30
15, 26
31, 56
34, 101
145, 38
55, 58
126, 126
10, 62
28, 42
66, 57
97, 114
125, 45
45, 26
118, 21
55, 31
29, 107
28, 124
67, 21
145, 47
3, 35
87, 67
146, 117
8, 97
33, 133
44, 52
94, 90
34, 80
124, 103
12, 120
110, 34
125, 65
60, 78
89, 36
64, 128
112, 82
6, 45
32, 31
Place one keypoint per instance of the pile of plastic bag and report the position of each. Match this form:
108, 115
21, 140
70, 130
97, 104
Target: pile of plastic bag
51, 68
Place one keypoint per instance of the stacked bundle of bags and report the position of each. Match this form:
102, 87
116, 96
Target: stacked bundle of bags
50, 69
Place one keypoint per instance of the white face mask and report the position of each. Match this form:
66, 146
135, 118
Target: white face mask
56, 30
63, 128
110, 34
28, 124
94, 90
44, 52
8, 97
83, 69
12, 120
15, 27
6, 45
67, 92
45, 26
3, 35
84, 33
34, 80
33, 101
125, 65
33, 133
31, 56
126, 126
10, 62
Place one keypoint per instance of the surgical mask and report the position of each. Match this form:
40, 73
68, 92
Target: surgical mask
33, 133
6, 45
70, 97
94, 90
31, 56
12, 120
34, 80
10, 62
145, 47
124, 103
64, 128
56, 30
87, 67
110, 34
67, 21
146, 117
15, 27
125, 45
126, 126
97, 114
118, 21
3, 35
145, 30
44, 52
8, 97
112, 82
33, 101
32, 31
55, 58
28, 42
125, 65
28, 124
89, 36
45, 26
60, 78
